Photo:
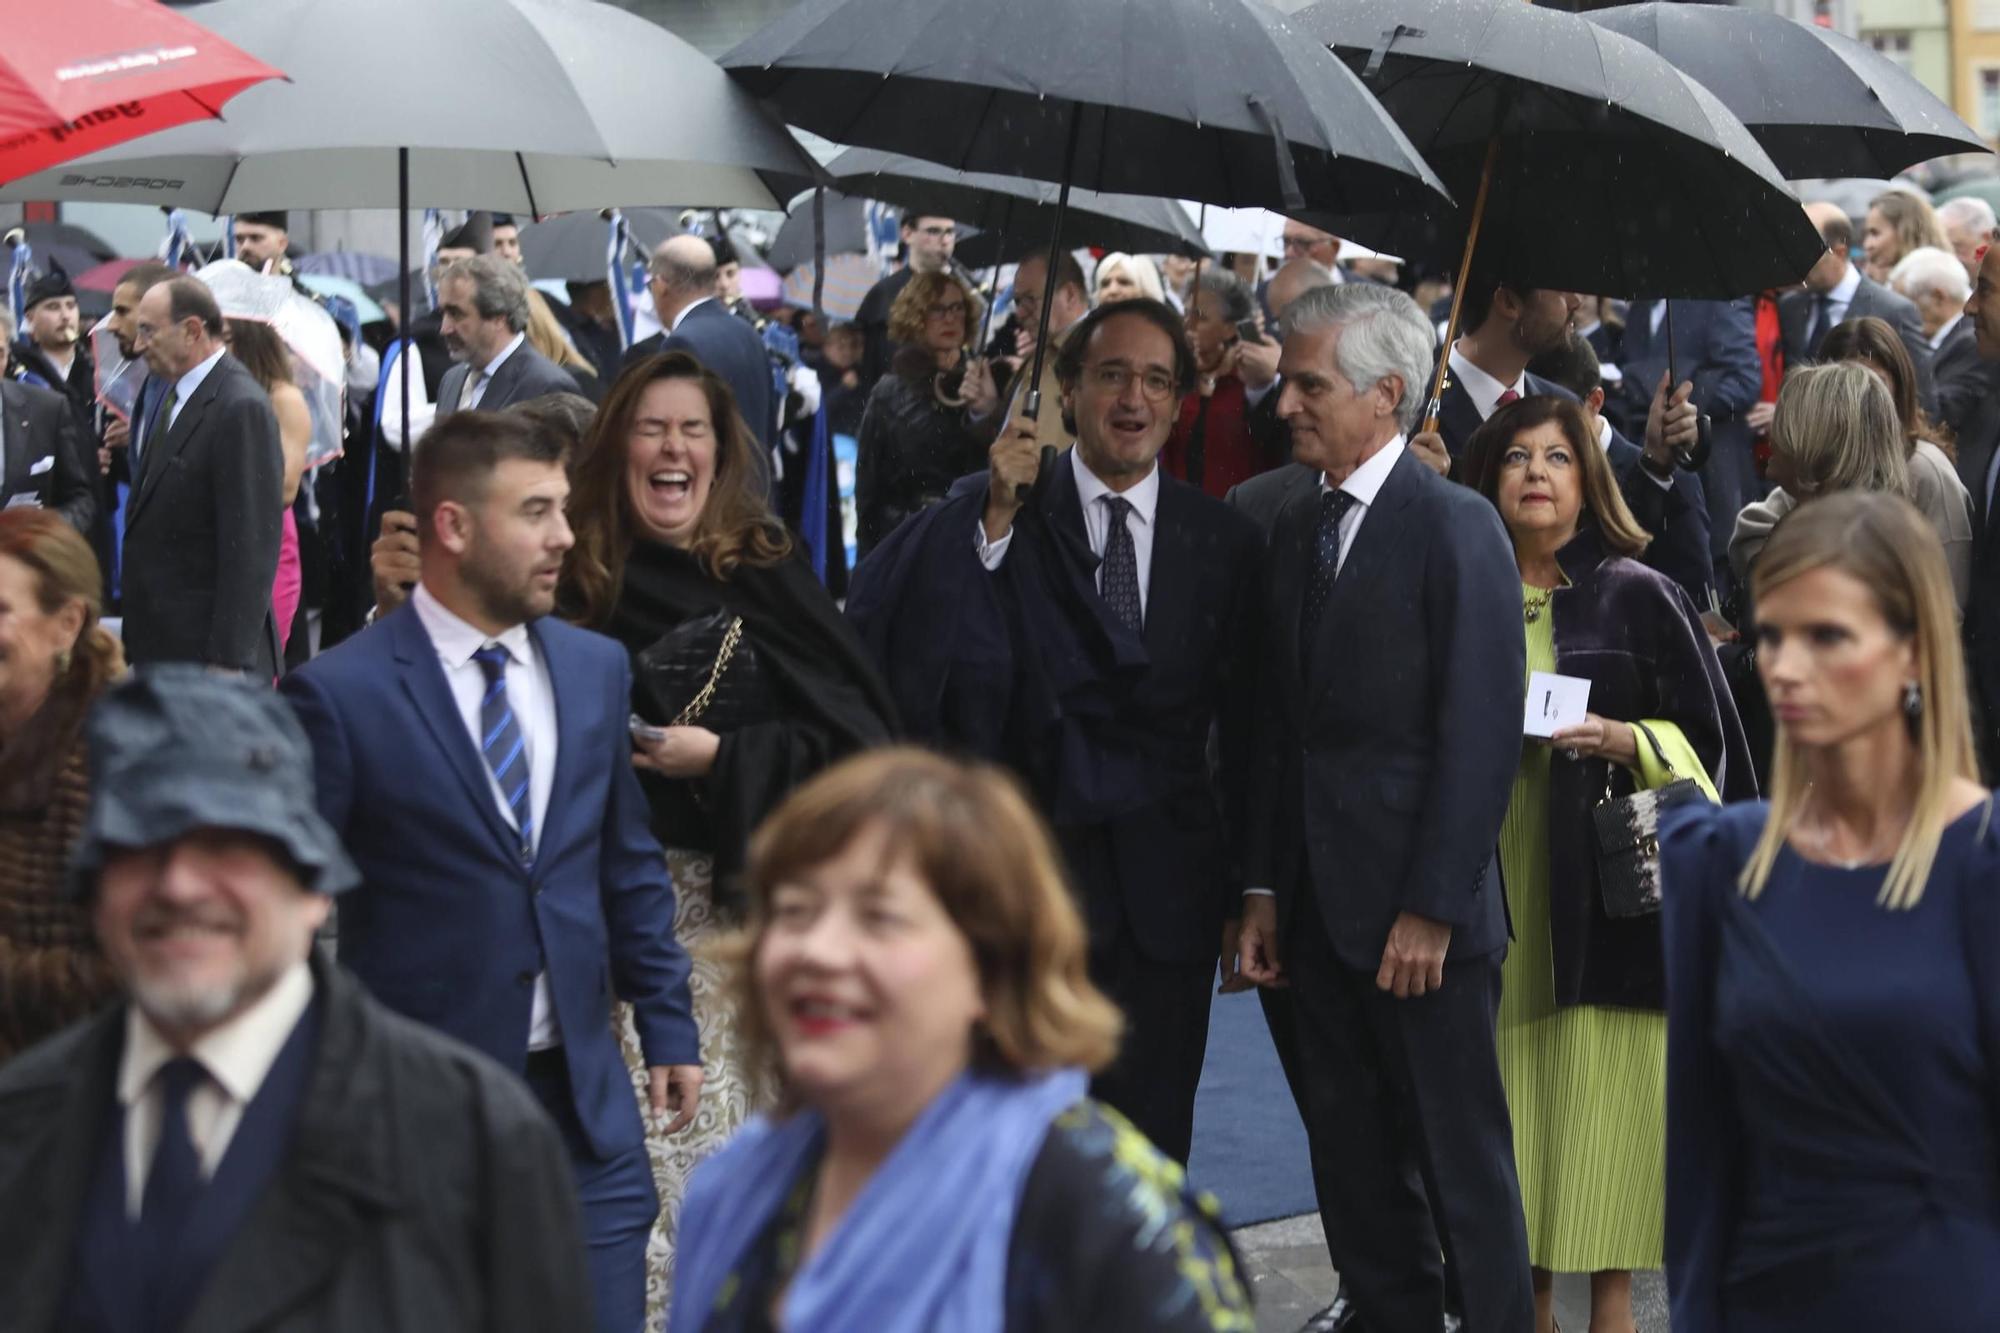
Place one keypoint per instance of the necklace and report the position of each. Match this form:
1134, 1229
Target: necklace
1534, 604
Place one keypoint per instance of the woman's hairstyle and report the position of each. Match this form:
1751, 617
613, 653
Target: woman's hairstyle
1486, 456
1913, 220
260, 349
1872, 341
1138, 268
736, 525
1229, 291
910, 315
545, 335
65, 570
970, 834
1836, 425
1887, 545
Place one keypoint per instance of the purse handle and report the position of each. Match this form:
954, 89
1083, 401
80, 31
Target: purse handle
1658, 753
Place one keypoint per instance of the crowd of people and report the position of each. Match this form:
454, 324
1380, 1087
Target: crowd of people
538, 889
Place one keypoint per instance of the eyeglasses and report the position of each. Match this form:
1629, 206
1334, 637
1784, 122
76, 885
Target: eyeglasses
1155, 385
938, 233
954, 310
1300, 244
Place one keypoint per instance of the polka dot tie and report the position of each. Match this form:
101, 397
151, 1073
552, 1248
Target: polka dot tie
1121, 564
1333, 505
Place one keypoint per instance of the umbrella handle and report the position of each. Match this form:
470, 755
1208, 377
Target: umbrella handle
1031, 407
1436, 404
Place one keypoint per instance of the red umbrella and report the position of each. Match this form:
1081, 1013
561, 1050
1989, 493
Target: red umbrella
83, 75
104, 277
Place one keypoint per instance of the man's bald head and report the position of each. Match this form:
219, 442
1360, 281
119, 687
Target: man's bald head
682, 272
1835, 228
1294, 278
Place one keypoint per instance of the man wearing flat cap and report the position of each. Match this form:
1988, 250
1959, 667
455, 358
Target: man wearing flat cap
249, 1140
50, 352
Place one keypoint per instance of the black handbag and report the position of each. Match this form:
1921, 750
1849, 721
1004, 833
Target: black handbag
1628, 841
702, 670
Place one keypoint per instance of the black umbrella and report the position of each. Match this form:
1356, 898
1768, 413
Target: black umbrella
1216, 100
1581, 160
1014, 215
573, 246
797, 241
1821, 104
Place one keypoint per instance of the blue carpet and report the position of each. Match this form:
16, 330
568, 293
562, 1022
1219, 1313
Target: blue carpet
1249, 1147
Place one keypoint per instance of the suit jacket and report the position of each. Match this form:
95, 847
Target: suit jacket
1977, 443
202, 529
1963, 380
1716, 347
44, 456
1379, 784
731, 348
450, 928
383, 1214
1026, 665
1795, 313
1458, 419
524, 375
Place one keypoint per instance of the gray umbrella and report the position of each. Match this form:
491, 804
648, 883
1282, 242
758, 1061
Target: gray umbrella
846, 231
572, 246
1017, 215
519, 105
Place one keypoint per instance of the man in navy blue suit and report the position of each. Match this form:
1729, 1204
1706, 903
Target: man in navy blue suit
1502, 328
473, 753
682, 281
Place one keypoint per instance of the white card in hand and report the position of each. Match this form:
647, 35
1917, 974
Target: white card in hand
1554, 702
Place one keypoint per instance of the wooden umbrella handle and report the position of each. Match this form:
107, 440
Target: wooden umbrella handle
1458, 287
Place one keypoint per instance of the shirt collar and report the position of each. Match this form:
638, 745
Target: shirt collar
1604, 432
1480, 387
492, 367
1365, 482
1937, 339
455, 640
1143, 497
685, 310
185, 386
1843, 291
236, 1055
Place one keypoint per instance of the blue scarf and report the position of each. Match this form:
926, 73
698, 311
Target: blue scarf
923, 1246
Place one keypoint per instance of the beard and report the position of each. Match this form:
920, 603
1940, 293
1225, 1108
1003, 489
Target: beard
507, 598
179, 1005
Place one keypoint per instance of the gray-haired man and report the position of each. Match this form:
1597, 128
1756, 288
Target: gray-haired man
484, 302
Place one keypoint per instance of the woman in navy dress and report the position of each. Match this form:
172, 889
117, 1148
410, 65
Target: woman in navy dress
1833, 989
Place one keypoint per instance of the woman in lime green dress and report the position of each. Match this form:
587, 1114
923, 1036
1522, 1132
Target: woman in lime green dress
1582, 1035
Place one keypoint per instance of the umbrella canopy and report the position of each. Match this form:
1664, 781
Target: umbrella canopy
846, 232
319, 364
1985, 188
1610, 170
591, 135
366, 308
77, 249
1015, 215
353, 265
104, 277
999, 88
87, 74
571, 247
1820, 103
848, 278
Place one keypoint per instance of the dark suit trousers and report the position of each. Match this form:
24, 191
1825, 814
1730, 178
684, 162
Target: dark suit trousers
1413, 1145
1281, 1018
617, 1198
1152, 1082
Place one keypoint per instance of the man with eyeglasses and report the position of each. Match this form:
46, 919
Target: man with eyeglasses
927, 242
1321, 247
1088, 629
1072, 303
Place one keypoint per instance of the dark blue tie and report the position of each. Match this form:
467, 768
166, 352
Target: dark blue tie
505, 748
174, 1182
1325, 565
1121, 564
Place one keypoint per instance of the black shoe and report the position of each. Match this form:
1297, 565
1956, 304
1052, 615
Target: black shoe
1340, 1317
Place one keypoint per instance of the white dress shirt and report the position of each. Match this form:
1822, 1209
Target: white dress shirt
1480, 387
1841, 297
1144, 498
532, 697
236, 1058
1944, 331
477, 380
185, 386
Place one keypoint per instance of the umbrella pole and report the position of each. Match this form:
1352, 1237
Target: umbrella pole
819, 259
1673, 371
993, 288
403, 295
1032, 405
1458, 288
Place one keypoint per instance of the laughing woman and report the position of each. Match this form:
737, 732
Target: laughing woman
745, 678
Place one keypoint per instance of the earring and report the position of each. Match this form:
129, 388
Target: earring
1913, 699
62, 662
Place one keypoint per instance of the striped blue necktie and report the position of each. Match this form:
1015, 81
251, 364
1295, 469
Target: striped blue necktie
505, 748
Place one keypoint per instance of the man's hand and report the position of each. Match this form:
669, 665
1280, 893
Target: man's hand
1232, 978
676, 1089
1413, 959
1673, 425
1257, 363
394, 560
1257, 941
1015, 458
1759, 416
1429, 448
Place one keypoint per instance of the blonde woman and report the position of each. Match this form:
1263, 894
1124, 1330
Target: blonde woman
1897, 223
1833, 965
1123, 277
914, 967
545, 335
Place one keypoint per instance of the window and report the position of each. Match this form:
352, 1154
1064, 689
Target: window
1895, 45
1986, 14
1989, 100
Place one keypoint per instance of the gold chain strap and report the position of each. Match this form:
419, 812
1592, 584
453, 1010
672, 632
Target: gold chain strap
706, 695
